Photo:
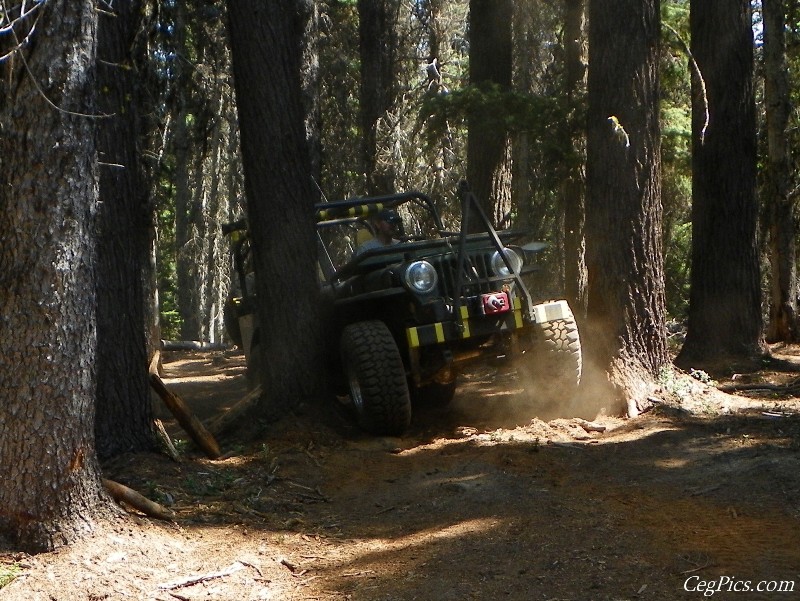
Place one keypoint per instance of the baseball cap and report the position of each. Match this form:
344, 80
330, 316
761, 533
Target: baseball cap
389, 215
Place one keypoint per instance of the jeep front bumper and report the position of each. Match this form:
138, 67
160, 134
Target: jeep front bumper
475, 323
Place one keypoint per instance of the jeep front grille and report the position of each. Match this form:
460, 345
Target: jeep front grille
477, 277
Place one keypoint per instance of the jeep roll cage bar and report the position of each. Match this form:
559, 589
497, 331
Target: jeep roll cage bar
372, 205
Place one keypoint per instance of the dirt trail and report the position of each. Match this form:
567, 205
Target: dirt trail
475, 503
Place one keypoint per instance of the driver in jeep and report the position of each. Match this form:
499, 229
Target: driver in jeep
388, 230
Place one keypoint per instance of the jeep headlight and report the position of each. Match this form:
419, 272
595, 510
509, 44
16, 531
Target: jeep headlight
499, 266
421, 277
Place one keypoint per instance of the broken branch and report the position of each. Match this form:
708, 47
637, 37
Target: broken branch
202, 437
190, 580
122, 494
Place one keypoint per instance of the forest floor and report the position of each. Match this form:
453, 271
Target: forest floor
476, 502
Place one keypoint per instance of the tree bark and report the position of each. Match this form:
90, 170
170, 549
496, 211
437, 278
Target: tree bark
188, 213
490, 63
310, 77
124, 411
625, 335
575, 276
378, 52
521, 171
780, 207
50, 491
268, 76
436, 35
216, 214
149, 162
725, 322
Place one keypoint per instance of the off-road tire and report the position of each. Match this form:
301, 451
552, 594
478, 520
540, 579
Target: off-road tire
553, 367
376, 378
230, 316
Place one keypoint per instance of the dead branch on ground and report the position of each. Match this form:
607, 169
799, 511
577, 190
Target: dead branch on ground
190, 580
122, 494
198, 433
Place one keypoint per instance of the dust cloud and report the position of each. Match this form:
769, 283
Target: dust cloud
504, 397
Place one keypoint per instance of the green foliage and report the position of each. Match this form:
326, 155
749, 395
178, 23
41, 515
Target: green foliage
675, 383
676, 13
676, 139
701, 376
793, 64
676, 134
8, 572
166, 260
677, 260
494, 108
676, 195
341, 134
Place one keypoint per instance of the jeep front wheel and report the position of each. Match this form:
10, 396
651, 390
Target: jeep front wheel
376, 378
554, 365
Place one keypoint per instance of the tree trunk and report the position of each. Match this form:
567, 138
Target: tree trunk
199, 211
725, 322
625, 335
267, 61
50, 492
780, 207
124, 411
150, 161
152, 313
432, 11
188, 214
216, 213
310, 76
490, 63
575, 277
430, 14
378, 52
525, 43
207, 96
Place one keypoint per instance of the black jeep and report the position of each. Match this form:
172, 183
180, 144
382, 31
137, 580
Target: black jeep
410, 314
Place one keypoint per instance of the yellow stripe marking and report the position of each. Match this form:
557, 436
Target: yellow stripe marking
413, 337
439, 331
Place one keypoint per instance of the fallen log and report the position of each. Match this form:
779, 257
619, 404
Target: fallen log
791, 388
225, 420
155, 367
590, 426
193, 345
198, 433
122, 494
